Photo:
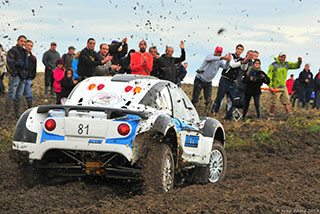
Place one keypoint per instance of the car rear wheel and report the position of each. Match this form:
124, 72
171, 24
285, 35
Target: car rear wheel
158, 171
31, 174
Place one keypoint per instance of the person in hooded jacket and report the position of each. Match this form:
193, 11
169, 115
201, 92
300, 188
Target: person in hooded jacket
58, 75
253, 79
67, 84
167, 63
316, 102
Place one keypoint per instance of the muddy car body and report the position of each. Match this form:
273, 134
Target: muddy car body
126, 126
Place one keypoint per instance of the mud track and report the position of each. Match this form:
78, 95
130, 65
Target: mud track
256, 182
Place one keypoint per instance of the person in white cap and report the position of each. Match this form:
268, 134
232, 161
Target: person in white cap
205, 74
278, 74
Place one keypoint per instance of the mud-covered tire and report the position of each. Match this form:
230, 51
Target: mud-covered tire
215, 171
31, 174
158, 170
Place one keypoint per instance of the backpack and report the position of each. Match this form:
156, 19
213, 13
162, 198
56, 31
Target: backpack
238, 102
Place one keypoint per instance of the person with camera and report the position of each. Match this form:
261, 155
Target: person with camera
253, 79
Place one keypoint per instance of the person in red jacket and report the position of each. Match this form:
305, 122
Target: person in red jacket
58, 75
141, 62
289, 84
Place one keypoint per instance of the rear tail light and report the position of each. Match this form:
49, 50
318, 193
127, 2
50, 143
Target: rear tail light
50, 125
100, 87
137, 89
128, 88
123, 129
92, 86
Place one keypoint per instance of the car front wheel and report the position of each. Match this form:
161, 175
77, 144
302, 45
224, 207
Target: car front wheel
215, 170
217, 164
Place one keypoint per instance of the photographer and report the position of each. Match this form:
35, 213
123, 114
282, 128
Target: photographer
254, 78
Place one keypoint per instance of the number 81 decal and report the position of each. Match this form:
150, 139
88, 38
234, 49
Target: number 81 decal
82, 129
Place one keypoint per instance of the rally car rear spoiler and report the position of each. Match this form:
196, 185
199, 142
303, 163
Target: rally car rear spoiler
68, 108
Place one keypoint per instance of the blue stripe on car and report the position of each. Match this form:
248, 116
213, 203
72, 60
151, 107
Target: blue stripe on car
133, 120
181, 125
47, 136
177, 124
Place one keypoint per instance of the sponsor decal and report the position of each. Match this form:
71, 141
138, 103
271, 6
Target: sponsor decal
192, 141
96, 141
105, 99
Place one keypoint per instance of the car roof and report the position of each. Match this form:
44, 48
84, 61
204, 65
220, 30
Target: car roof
130, 77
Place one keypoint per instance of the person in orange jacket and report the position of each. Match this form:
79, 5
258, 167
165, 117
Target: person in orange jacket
141, 61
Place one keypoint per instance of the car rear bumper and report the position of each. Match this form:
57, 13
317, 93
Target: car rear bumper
37, 151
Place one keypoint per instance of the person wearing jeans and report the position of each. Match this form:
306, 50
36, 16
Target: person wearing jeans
254, 78
205, 74
227, 83
17, 72
32, 72
316, 102
306, 80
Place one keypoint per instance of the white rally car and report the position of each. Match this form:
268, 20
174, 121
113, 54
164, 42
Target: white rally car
126, 126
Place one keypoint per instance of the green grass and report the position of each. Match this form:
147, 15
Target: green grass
314, 128
263, 135
233, 141
6, 144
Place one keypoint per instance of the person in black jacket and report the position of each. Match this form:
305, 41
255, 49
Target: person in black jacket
88, 61
118, 50
155, 67
295, 92
167, 63
67, 84
32, 73
316, 102
17, 71
253, 79
227, 83
306, 80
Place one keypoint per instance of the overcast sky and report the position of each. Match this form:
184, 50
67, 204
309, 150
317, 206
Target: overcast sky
269, 26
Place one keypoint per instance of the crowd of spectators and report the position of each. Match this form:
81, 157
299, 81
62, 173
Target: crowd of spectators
241, 78
62, 73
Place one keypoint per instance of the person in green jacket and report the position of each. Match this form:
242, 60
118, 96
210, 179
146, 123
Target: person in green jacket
278, 74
